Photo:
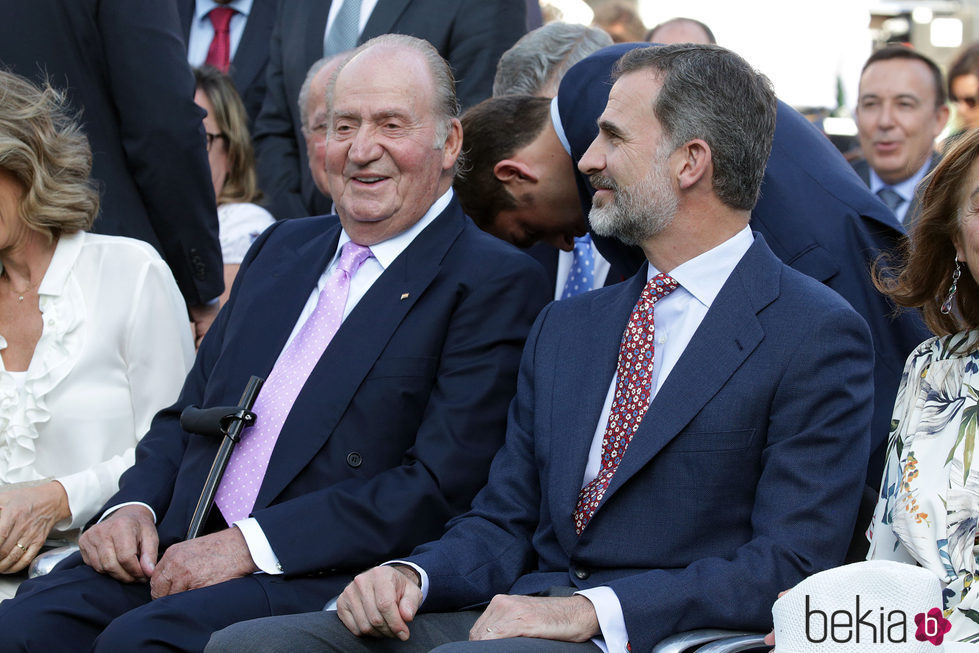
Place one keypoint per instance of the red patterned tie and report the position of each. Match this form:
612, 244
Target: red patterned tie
632, 394
219, 54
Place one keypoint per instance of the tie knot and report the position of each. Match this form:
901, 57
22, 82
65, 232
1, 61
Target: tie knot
659, 287
221, 18
890, 197
352, 257
582, 244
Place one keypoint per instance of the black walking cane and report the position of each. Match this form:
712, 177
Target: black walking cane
224, 422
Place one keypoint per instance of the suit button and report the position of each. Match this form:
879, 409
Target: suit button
581, 573
354, 459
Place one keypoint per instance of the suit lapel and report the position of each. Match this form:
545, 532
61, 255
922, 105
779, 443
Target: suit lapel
355, 348
729, 333
252, 52
279, 297
592, 352
382, 19
317, 13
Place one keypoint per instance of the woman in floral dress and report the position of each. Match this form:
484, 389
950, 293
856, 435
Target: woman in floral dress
929, 500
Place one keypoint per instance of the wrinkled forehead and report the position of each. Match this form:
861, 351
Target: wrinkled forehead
632, 96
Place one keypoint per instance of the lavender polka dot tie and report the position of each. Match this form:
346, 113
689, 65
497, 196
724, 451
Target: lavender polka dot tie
246, 469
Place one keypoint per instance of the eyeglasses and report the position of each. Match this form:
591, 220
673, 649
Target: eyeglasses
211, 137
969, 101
319, 129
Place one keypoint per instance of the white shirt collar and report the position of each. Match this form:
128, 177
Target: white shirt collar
386, 251
705, 274
203, 7
558, 127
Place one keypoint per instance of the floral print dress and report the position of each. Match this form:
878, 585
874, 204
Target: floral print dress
929, 498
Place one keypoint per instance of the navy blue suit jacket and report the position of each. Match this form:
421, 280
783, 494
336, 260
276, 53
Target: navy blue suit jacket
123, 66
814, 213
252, 55
470, 34
393, 431
743, 478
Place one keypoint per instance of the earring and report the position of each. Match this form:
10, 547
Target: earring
956, 273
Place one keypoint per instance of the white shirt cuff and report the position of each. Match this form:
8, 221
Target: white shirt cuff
123, 505
421, 574
258, 546
610, 619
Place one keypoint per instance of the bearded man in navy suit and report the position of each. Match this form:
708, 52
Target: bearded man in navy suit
389, 436
814, 213
704, 449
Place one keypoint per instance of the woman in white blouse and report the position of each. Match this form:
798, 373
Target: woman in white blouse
94, 335
229, 151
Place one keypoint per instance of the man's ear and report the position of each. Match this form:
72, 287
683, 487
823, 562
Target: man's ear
513, 171
692, 162
453, 144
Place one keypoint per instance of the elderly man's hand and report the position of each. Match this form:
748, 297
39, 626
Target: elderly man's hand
381, 602
203, 561
566, 619
124, 545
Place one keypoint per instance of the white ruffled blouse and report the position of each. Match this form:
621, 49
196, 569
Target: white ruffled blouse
115, 347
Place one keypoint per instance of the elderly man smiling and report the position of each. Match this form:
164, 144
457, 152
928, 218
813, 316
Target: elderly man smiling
389, 340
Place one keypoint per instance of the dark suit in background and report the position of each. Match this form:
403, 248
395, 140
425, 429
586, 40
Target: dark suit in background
813, 212
123, 67
252, 55
470, 34
391, 435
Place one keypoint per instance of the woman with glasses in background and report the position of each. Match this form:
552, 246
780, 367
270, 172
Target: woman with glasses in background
229, 151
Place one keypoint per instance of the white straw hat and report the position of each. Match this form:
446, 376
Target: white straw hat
879, 606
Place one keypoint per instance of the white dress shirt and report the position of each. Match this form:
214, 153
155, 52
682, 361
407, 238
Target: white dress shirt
202, 30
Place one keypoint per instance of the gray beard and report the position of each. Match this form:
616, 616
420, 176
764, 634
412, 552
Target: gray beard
635, 214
